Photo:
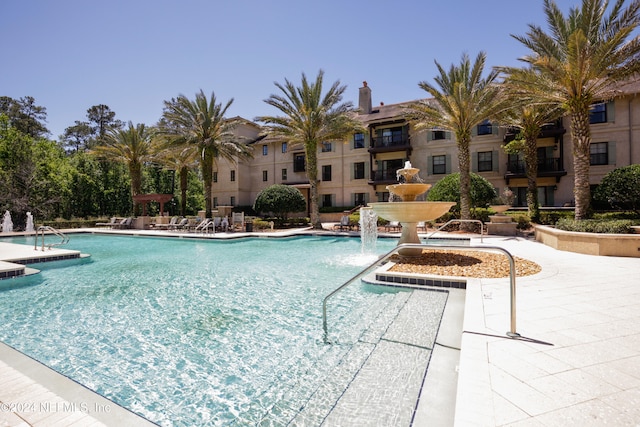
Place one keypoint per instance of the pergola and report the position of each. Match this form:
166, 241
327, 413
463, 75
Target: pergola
143, 199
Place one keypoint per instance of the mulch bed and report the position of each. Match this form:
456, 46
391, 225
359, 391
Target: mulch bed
477, 264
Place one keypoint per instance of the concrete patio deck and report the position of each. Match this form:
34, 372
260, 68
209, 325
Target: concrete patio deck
577, 363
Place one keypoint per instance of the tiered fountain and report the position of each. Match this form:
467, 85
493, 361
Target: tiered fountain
409, 211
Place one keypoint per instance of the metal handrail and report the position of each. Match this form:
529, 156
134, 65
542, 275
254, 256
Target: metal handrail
512, 278
451, 221
42, 229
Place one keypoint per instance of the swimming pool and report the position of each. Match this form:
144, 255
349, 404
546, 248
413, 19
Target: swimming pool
197, 332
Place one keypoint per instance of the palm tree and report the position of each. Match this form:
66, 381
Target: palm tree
132, 146
309, 119
182, 159
202, 124
462, 100
529, 118
579, 62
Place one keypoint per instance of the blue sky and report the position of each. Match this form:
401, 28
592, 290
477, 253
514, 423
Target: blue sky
133, 54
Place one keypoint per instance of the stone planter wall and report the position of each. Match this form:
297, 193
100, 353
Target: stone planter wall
627, 245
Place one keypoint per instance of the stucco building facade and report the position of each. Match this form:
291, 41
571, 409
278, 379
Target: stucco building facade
356, 171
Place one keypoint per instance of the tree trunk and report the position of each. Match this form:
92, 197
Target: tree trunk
184, 185
464, 161
312, 174
207, 177
135, 172
531, 163
581, 137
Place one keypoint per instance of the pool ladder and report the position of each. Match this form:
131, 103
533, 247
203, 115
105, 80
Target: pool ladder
383, 258
45, 228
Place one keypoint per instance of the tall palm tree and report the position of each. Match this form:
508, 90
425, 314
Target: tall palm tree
529, 118
132, 146
201, 123
461, 100
576, 63
309, 119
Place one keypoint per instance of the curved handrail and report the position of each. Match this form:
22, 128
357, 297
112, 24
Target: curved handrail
451, 221
512, 278
42, 229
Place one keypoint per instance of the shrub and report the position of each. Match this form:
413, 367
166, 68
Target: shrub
280, 200
552, 217
621, 188
523, 221
619, 226
448, 190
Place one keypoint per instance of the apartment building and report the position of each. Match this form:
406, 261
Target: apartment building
356, 171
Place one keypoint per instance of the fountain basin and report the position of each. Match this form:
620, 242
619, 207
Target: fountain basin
408, 192
409, 214
411, 211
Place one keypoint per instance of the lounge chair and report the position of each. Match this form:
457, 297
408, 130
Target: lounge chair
124, 224
203, 226
172, 222
392, 226
421, 226
180, 225
114, 221
343, 224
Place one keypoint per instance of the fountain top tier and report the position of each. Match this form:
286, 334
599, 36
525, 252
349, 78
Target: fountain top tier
408, 190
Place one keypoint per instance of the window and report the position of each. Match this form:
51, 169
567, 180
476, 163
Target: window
438, 134
358, 140
265, 175
326, 173
215, 176
265, 150
439, 165
284, 147
326, 147
485, 163
233, 176
299, 164
358, 170
232, 199
284, 174
359, 199
215, 202
485, 128
598, 113
599, 153
326, 200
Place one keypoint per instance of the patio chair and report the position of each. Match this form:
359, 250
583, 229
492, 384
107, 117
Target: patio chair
421, 226
172, 222
204, 225
114, 221
180, 225
393, 226
343, 224
124, 224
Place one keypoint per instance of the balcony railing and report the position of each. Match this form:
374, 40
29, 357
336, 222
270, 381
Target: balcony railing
544, 165
385, 175
396, 140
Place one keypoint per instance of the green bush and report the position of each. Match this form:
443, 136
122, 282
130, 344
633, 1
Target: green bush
280, 200
621, 188
448, 190
524, 222
616, 215
552, 217
619, 226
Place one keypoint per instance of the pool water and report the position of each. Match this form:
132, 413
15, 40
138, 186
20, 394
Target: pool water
196, 332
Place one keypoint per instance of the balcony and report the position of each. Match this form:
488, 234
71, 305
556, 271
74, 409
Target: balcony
384, 177
548, 130
546, 167
395, 142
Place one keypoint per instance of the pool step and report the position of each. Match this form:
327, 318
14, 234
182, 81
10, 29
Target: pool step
14, 257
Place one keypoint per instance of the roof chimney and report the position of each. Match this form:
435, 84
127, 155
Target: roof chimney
364, 102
